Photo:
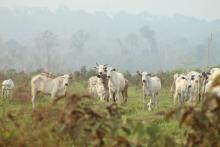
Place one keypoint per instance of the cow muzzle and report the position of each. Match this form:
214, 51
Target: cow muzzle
66, 84
143, 81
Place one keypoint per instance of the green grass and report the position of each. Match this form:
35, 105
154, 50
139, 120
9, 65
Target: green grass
134, 109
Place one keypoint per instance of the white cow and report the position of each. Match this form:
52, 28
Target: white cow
151, 87
96, 87
213, 86
7, 86
208, 78
55, 87
181, 89
117, 84
92, 85
195, 87
101, 69
175, 76
100, 88
214, 70
193, 73
212, 73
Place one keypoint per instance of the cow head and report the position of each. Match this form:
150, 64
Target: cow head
101, 69
66, 79
144, 76
109, 71
206, 75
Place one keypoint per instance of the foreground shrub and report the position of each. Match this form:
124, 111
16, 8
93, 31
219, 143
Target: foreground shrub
78, 122
203, 123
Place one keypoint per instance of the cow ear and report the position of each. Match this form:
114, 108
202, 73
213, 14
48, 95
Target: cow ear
139, 73
204, 74
95, 67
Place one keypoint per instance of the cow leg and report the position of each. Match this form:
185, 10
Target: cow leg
156, 100
117, 96
32, 100
33, 93
107, 95
110, 95
114, 97
125, 92
175, 97
144, 98
7, 94
124, 96
3, 92
150, 104
181, 99
53, 95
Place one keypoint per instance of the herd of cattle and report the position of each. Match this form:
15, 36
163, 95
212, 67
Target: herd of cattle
110, 84
193, 87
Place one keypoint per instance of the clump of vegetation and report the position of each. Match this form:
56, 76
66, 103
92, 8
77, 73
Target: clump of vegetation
78, 119
202, 123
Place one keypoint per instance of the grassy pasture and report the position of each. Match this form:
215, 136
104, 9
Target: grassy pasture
20, 125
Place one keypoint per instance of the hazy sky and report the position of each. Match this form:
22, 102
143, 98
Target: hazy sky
208, 9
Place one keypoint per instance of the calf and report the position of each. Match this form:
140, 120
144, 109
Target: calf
96, 87
7, 86
101, 70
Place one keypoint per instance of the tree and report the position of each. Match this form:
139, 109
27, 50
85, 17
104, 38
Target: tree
46, 41
78, 40
147, 33
15, 55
